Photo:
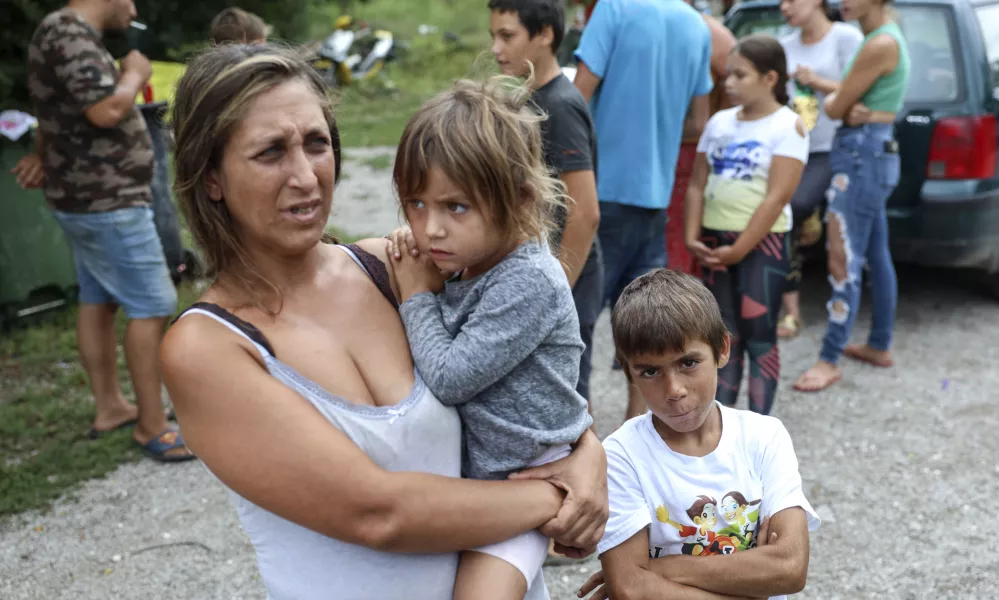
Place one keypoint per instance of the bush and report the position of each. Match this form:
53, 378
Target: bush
176, 27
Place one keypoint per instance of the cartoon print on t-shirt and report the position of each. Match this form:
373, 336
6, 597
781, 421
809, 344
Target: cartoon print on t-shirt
742, 523
700, 540
707, 537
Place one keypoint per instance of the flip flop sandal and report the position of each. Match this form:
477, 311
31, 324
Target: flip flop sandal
94, 434
790, 325
157, 448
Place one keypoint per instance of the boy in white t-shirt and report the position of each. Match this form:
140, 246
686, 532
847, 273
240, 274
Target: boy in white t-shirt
692, 483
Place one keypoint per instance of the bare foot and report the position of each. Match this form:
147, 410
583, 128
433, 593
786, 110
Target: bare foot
819, 377
871, 356
109, 420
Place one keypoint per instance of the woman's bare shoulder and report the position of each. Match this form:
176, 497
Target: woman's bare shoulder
197, 342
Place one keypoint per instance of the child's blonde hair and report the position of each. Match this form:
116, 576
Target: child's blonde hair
484, 138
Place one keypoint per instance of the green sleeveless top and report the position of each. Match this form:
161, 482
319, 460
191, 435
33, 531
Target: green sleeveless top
888, 90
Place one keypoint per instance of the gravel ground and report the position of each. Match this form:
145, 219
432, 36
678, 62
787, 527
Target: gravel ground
897, 462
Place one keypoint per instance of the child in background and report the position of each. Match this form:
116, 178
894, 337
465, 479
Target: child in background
705, 501
500, 338
236, 26
749, 161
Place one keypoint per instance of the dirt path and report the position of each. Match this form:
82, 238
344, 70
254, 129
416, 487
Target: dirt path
902, 464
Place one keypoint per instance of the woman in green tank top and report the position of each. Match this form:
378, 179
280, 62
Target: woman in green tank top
865, 165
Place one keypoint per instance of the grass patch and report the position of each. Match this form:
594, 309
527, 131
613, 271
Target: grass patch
45, 403
46, 409
374, 112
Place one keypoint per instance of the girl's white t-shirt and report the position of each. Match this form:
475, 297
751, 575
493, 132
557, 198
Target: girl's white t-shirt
827, 58
707, 505
739, 154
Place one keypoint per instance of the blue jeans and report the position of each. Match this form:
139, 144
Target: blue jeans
119, 261
865, 172
633, 240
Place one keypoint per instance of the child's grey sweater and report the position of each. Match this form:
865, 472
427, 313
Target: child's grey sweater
504, 347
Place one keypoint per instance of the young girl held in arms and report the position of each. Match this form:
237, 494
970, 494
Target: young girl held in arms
750, 159
499, 336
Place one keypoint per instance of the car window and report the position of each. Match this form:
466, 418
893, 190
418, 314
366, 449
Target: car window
929, 34
988, 18
768, 21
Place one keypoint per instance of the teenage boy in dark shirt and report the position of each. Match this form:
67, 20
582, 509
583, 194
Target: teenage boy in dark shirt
529, 32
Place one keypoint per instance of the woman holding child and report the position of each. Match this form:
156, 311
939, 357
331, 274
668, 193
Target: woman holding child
292, 376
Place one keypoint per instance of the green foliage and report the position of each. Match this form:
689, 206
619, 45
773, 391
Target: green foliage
176, 28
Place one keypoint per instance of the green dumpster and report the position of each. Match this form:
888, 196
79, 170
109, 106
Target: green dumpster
36, 264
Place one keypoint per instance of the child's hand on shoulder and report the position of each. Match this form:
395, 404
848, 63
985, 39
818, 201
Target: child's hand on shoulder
414, 272
397, 239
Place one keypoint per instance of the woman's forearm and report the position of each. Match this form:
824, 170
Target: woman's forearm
826, 86
428, 513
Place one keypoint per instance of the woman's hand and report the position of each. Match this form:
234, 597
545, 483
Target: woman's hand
858, 115
580, 522
414, 273
804, 76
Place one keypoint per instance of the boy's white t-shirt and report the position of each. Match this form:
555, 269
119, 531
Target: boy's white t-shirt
705, 505
739, 154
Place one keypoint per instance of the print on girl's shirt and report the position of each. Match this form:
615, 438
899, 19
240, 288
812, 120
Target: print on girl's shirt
710, 535
739, 160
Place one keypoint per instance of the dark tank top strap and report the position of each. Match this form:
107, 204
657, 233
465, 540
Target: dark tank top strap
245, 327
375, 269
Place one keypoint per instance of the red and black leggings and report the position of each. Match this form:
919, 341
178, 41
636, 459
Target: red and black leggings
749, 295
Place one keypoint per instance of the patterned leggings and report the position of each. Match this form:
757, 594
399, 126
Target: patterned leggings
749, 295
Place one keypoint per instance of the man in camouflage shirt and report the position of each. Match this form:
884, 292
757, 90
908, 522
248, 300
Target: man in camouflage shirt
95, 158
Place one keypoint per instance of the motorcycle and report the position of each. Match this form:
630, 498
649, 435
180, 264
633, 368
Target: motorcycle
348, 55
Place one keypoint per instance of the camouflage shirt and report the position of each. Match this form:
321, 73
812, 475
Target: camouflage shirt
87, 168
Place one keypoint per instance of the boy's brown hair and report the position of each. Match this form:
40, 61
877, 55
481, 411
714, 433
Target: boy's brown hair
237, 26
662, 312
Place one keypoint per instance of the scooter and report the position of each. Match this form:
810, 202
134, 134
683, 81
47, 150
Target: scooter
346, 55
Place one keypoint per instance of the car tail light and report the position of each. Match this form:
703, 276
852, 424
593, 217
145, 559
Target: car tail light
963, 148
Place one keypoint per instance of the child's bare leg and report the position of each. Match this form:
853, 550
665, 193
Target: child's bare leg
485, 577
